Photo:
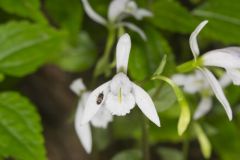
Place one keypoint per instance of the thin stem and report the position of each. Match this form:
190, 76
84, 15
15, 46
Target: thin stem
145, 143
103, 63
185, 148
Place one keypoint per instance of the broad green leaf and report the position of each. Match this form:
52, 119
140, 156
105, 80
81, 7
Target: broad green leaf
172, 16
24, 47
221, 13
163, 97
101, 138
146, 56
138, 66
24, 8
185, 115
204, 142
66, 14
79, 58
128, 155
20, 129
122, 124
156, 48
170, 153
226, 142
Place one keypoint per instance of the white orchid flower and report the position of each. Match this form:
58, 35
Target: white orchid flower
119, 10
119, 95
99, 120
228, 58
197, 83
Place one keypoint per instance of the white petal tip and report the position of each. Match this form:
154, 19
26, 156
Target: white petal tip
230, 117
158, 123
125, 38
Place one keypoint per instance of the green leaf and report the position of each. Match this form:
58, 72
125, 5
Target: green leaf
79, 58
164, 97
66, 14
25, 8
24, 47
205, 144
170, 153
226, 142
170, 15
138, 67
221, 13
20, 129
185, 116
128, 155
145, 56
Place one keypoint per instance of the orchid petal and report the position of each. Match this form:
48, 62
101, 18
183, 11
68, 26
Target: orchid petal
180, 79
234, 75
146, 104
226, 57
122, 52
116, 8
216, 87
141, 13
203, 107
101, 118
92, 14
120, 107
193, 39
135, 28
225, 80
83, 131
77, 86
92, 106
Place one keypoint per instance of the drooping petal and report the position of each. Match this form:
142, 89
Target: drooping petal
193, 39
92, 14
95, 100
120, 106
77, 86
122, 52
180, 79
146, 104
216, 87
102, 118
116, 8
225, 80
234, 75
191, 83
141, 13
226, 57
135, 28
203, 107
196, 82
83, 131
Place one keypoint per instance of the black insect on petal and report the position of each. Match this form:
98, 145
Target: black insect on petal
100, 98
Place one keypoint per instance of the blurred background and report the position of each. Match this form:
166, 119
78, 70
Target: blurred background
46, 44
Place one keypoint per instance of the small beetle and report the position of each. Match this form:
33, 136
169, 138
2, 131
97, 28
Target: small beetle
100, 98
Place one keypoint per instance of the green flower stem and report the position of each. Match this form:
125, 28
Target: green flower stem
185, 115
145, 143
189, 66
103, 63
185, 147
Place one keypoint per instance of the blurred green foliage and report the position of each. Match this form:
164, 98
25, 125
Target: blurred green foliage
34, 33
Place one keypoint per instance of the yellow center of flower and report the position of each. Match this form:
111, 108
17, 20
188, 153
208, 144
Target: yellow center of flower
120, 95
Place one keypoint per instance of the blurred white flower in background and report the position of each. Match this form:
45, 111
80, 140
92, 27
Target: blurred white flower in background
118, 10
119, 95
197, 83
227, 58
100, 119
